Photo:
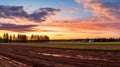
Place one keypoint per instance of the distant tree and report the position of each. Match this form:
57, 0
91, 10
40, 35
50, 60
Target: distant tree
21, 38
32, 38
13, 38
46, 38
37, 38
5, 37
1, 39
41, 38
10, 38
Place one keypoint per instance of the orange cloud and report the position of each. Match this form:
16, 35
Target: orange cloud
102, 10
97, 24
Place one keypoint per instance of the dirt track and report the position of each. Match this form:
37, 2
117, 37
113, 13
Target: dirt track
27, 56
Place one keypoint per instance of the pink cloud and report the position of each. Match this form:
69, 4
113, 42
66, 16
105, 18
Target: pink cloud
102, 10
83, 25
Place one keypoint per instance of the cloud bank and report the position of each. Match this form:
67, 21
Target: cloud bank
16, 28
18, 11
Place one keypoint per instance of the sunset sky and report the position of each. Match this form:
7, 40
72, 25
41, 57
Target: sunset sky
61, 19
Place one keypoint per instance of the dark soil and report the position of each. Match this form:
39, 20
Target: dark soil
28, 56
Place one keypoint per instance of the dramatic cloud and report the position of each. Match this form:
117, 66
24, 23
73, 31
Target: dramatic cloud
109, 26
41, 14
85, 25
12, 11
16, 28
18, 11
106, 9
92, 26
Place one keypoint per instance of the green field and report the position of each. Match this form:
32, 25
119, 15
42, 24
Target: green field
74, 45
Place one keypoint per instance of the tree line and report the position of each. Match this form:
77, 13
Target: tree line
8, 38
101, 40
90, 40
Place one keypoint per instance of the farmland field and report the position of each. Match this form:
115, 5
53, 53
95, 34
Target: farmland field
60, 54
75, 45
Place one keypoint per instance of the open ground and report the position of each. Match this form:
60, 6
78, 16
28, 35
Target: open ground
59, 54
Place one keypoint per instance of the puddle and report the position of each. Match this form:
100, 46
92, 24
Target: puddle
92, 58
76, 57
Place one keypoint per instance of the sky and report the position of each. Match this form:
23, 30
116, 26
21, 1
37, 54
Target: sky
61, 19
